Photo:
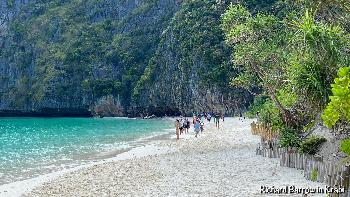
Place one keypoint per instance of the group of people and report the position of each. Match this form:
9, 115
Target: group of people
183, 124
216, 116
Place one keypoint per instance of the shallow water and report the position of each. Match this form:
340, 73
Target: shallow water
34, 146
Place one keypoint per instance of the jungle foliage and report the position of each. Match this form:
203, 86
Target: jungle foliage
297, 53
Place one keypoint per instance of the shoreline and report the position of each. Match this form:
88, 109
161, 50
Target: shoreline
137, 148
23, 187
220, 162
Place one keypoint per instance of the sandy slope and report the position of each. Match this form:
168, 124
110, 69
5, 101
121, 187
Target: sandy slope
218, 163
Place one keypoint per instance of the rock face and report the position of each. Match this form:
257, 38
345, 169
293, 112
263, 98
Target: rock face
184, 75
66, 57
330, 150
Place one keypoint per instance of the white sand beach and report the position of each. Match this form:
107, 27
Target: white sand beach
220, 162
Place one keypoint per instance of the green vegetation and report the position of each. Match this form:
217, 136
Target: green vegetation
256, 106
197, 32
338, 108
291, 55
291, 52
289, 138
270, 114
311, 145
314, 174
259, 51
89, 49
345, 146
82, 47
196, 39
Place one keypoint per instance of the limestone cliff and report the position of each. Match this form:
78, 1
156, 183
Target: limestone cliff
66, 57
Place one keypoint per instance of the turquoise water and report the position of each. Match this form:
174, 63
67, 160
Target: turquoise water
34, 146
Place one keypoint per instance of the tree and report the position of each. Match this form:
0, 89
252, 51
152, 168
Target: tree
317, 50
259, 44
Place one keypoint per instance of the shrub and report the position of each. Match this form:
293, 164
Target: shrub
289, 138
287, 96
309, 126
314, 175
256, 106
271, 115
311, 145
339, 106
345, 146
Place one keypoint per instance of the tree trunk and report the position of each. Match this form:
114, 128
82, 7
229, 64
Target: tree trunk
288, 118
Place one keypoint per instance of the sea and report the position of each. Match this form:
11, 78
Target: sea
30, 147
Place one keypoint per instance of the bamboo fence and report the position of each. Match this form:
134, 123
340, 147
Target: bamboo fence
315, 169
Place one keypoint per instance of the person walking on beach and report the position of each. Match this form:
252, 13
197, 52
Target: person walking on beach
181, 126
184, 125
201, 125
196, 127
258, 117
177, 127
188, 124
217, 121
208, 117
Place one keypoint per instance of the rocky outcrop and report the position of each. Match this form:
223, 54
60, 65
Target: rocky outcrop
180, 76
64, 56
330, 150
108, 106
33, 76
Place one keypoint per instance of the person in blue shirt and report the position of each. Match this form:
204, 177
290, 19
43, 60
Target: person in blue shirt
197, 127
